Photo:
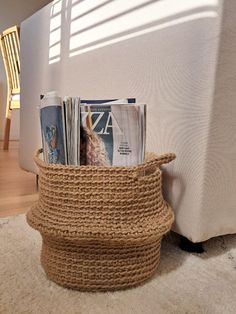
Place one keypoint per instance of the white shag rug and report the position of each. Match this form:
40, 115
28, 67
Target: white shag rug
185, 283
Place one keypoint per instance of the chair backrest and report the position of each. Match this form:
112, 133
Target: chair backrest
10, 47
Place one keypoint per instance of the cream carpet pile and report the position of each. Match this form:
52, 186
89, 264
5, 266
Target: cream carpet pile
184, 283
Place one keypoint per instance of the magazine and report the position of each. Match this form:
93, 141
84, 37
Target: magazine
71, 125
52, 128
72, 130
113, 134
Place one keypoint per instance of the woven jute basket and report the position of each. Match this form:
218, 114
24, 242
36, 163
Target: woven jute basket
101, 226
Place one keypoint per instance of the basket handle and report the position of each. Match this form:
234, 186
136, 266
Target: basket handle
165, 159
154, 162
36, 158
157, 161
38, 152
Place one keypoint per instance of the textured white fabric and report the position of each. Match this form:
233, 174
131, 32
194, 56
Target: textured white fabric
182, 65
184, 283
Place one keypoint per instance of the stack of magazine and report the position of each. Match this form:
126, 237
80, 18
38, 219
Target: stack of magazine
108, 132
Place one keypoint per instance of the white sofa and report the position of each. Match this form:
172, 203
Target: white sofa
171, 56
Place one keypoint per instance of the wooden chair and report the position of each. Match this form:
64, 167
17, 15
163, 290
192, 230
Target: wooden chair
10, 47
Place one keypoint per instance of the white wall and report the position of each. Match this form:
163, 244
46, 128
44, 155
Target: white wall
13, 12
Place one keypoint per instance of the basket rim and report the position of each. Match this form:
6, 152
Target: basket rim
151, 159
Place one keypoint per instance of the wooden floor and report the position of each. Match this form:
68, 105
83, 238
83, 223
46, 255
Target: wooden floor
17, 187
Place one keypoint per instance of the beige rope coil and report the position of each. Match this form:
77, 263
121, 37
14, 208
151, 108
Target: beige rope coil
101, 226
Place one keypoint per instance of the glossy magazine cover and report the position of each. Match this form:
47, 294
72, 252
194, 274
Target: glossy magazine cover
52, 129
112, 134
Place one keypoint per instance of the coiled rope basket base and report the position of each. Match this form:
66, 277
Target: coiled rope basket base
101, 226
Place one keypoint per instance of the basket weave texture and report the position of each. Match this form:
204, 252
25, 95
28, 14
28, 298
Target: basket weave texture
101, 226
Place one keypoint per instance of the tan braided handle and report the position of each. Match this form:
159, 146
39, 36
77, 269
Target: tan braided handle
38, 152
36, 158
158, 160
152, 164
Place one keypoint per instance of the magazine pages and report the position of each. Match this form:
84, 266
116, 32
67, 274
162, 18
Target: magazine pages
71, 127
